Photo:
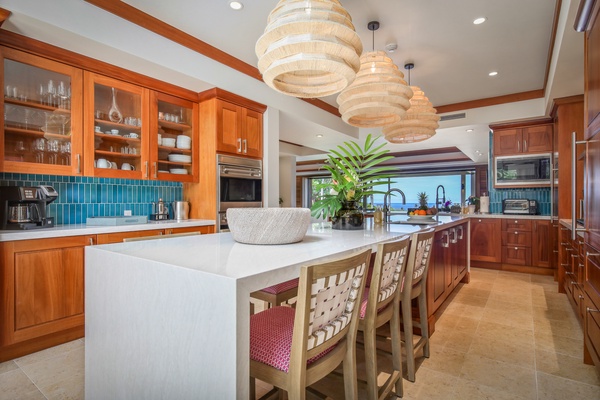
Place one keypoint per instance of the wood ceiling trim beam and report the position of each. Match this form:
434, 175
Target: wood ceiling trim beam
491, 101
42, 49
146, 21
4, 14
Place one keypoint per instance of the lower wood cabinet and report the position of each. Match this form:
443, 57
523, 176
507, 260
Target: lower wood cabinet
43, 293
513, 244
448, 266
42, 283
591, 306
485, 240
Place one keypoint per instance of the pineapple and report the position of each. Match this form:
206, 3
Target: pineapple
423, 201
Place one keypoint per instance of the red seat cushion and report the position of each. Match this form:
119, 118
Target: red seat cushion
271, 337
281, 287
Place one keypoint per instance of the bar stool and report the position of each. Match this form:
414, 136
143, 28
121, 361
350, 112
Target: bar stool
413, 287
277, 294
291, 348
380, 305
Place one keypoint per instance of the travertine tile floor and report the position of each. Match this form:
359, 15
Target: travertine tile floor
503, 336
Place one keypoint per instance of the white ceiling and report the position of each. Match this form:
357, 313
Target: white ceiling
452, 56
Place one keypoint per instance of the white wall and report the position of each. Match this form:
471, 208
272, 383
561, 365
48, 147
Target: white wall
287, 180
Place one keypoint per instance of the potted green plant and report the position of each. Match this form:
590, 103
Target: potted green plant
473, 202
355, 171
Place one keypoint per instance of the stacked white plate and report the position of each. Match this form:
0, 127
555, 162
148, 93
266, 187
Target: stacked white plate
180, 158
184, 142
178, 171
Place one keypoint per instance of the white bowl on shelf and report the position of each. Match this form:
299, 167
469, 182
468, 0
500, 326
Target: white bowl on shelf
180, 158
168, 142
184, 142
178, 171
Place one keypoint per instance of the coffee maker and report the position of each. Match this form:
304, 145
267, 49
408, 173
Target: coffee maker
24, 207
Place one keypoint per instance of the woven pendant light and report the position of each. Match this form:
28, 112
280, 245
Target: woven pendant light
309, 48
379, 95
418, 124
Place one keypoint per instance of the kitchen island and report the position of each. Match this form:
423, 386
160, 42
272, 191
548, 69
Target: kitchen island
169, 318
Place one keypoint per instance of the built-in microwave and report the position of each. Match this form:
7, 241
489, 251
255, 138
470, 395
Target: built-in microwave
523, 170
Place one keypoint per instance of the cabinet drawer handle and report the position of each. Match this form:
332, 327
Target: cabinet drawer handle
155, 170
146, 169
78, 163
453, 231
460, 237
447, 242
573, 283
524, 145
591, 310
91, 241
239, 149
518, 146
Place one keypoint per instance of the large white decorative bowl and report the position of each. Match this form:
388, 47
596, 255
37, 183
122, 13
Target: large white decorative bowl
268, 225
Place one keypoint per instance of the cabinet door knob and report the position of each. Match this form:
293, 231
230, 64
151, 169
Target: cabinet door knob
516, 248
516, 233
478, 220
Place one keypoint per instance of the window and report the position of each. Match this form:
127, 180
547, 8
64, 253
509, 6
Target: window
458, 186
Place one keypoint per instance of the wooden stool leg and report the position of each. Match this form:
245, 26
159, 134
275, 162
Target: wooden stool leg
408, 339
252, 388
349, 368
371, 363
423, 323
397, 352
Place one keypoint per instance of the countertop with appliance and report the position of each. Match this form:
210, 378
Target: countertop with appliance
83, 229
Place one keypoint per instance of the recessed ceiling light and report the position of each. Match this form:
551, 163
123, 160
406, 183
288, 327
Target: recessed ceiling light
470, 130
479, 20
493, 73
319, 135
236, 5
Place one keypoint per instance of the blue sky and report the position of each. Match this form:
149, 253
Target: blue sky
428, 184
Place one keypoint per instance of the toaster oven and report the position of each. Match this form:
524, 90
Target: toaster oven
519, 206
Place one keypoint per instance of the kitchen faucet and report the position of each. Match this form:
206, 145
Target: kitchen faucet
386, 214
438, 198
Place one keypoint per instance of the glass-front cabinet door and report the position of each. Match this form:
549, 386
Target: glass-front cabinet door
116, 115
174, 138
42, 129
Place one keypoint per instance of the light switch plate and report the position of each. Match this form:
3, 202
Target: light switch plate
127, 213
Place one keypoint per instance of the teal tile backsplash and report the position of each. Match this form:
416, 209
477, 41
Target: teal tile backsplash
83, 197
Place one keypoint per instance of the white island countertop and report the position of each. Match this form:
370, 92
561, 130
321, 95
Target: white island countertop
169, 318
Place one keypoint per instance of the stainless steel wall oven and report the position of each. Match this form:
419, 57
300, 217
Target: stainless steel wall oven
239, 183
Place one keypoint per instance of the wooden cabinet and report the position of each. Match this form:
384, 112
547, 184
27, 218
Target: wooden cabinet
174, 150
42, 129
591, 306
116, 237
67, 121
116, 126
447, 268
516, 242
43, 293
531, 139
233, 123
239, 130
225, 118
541, 244
486, 240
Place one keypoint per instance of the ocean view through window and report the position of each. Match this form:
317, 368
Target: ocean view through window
458, 186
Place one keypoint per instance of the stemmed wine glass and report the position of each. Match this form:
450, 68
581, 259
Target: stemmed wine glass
65, 153
38, 147
20, 149
52, 148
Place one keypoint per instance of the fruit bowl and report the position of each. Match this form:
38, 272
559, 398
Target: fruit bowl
421, 217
